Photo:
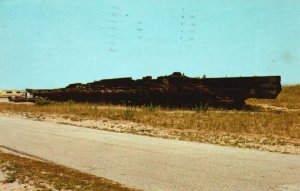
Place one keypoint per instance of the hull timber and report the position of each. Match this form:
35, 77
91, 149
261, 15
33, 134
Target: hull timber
175, 90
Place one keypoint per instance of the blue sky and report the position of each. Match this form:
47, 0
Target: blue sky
51, 43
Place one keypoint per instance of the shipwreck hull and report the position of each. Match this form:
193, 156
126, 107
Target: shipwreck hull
175, 90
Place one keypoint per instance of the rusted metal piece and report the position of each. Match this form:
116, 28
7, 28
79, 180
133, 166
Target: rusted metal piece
175, 90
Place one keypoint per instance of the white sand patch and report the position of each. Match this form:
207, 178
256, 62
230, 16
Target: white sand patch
15, 186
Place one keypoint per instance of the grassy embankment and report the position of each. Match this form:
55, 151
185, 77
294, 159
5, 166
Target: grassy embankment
49, 176
252, 128
288, 98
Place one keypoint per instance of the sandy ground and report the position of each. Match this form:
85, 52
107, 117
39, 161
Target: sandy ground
15, 186
152, 163
4, 100
276, 108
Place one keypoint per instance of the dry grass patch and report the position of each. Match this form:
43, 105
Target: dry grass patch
268, 123
288, 98
49, 176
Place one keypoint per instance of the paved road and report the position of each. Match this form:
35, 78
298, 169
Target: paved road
152, 163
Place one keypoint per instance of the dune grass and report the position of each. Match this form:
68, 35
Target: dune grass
231, 121
288, 98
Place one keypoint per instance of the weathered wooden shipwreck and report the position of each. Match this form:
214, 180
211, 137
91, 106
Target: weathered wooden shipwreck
175, 90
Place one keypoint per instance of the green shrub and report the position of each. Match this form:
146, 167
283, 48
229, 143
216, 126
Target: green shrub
11, 177
149, 107
128, 113
43, 101
200, 108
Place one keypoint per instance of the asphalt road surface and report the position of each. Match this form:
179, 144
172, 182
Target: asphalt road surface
152, 163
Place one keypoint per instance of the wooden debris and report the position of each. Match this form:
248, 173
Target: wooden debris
175, 90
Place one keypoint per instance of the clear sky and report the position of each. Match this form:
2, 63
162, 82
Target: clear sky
51, 43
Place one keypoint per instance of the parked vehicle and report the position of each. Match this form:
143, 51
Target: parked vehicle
24, 97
